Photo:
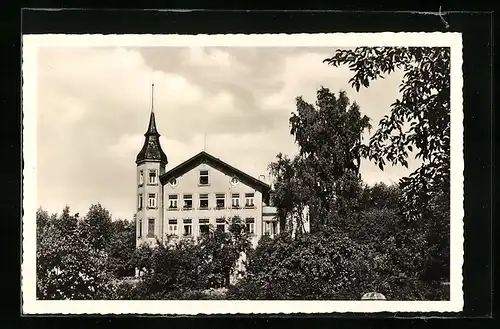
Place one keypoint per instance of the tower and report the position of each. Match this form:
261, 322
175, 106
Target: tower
151, 163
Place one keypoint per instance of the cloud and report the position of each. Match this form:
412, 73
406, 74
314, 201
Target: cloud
94, 104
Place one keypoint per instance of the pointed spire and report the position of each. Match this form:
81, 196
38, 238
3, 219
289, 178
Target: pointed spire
152, 98
151, 149
152, 126
152, 122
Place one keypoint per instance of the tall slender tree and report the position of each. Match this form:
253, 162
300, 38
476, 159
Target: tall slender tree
325, 173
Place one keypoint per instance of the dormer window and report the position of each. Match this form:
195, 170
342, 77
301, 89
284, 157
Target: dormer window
152, 177
204, 177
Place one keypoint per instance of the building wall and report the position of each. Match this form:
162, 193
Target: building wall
219, 183
145, 213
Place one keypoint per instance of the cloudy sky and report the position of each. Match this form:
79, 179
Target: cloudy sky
94, 104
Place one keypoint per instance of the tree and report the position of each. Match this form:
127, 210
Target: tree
68, 267
424, 108
321, 265
183, 268
221, 252
96, 227
291, 191
325, 173
121, 248
419, 122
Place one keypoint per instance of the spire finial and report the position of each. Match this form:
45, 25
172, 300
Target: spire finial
152, 97
205, 142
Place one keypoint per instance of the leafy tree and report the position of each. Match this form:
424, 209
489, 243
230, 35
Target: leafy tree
66, 223
96, 227
381, 196
180, 269
121, 247
325, 174
291, 191
419, 122
322, 265
221, 252
68, 267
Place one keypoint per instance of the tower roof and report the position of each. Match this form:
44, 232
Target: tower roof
151, 150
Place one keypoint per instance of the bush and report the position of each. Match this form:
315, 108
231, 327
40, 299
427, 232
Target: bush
324, 265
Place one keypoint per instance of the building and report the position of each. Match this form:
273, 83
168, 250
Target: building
199, 194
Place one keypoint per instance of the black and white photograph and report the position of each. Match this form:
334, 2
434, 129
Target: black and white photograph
206, 174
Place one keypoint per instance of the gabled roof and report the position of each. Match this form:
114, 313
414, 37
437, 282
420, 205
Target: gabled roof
218, 164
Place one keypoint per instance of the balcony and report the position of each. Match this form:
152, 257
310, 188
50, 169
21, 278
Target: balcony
269, 211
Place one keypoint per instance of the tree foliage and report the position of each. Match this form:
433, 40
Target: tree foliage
68, 267
179, 268
419, 121
77, 261
323, 265
325, 173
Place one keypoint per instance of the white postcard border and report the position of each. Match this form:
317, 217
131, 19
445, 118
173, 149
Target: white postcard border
31, 43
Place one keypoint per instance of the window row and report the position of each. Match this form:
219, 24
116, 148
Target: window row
204, 226
220, 201
204, 179
187, 226
152, 177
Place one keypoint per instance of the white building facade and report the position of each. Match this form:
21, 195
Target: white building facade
198, 195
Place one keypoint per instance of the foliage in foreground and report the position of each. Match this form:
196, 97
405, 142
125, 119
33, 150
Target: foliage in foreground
178, 268
78, 257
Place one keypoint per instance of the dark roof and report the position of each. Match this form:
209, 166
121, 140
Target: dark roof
215, 162
151, 150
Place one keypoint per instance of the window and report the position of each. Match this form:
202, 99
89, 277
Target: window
151, 228
152, 200
152, 177
249, 200
140, 227
173, 182
220, 200
221, 224
204, 177
204, 226
235, 180
188, 201
250, 225
140, 202
172, 226
188, 227
203, 201
235, 198
172, 201
141, 177
270, 228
